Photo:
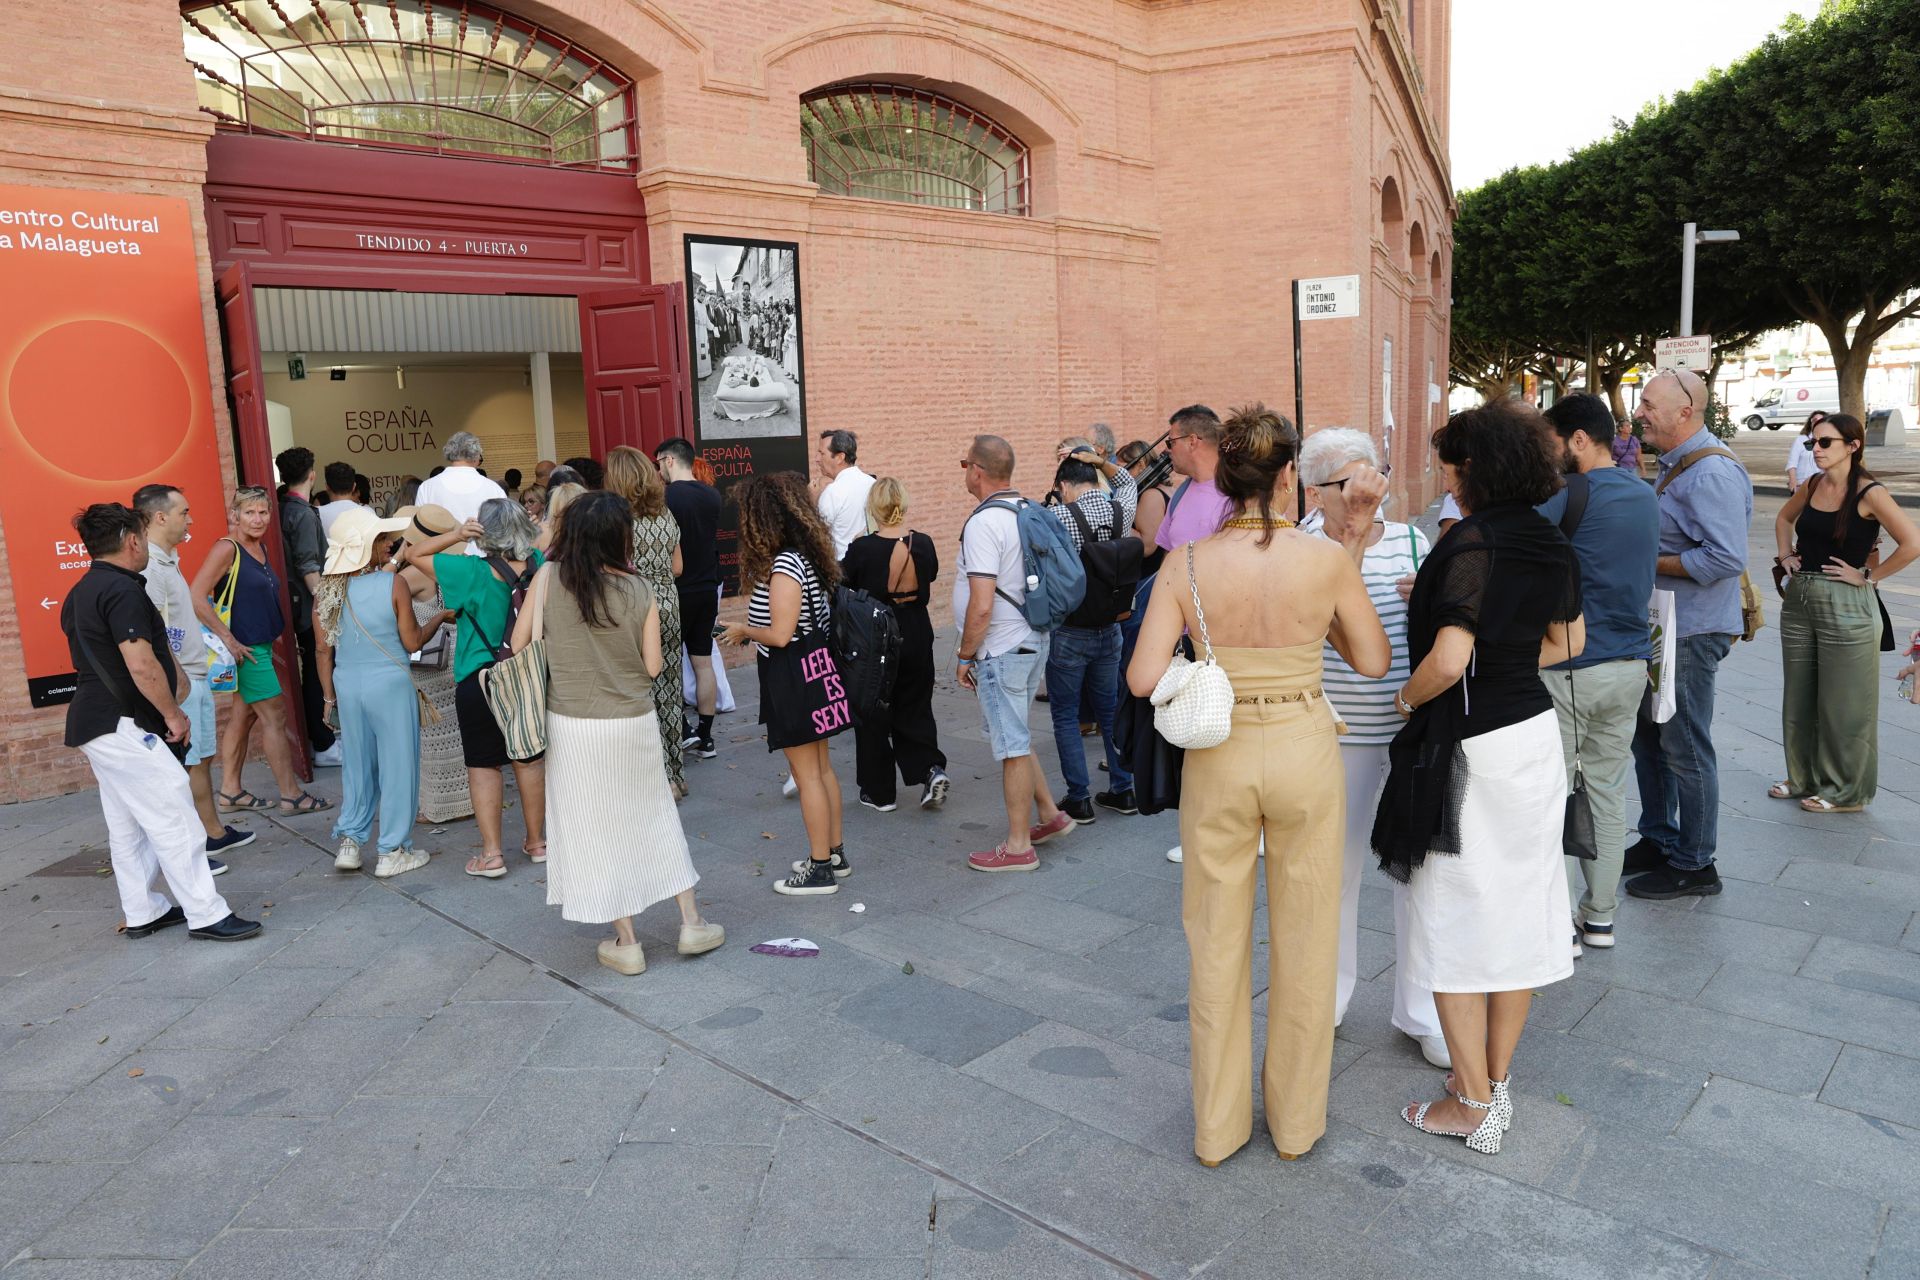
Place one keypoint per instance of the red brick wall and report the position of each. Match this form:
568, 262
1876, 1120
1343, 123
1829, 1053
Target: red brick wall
1190, 158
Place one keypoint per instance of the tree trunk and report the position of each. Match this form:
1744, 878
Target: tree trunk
1851, 368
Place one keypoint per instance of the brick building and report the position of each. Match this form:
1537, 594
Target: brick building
1019, 219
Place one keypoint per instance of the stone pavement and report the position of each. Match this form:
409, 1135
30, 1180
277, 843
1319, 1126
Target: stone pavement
978, 1077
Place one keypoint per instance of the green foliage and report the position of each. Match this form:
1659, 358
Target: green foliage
1809, 147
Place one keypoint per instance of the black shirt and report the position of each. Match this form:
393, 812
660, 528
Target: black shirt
696, 509
1815, 543
869, 562
107, 607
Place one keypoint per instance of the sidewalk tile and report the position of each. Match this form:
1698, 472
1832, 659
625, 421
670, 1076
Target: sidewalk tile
1134, 1096
942, 949
39, 1195
548, 1129
324, 1254
91, 1269
366, 1166
1040, 920
1288, 1244
1860, 1017
119, 1114
1810, 911
590, 1036
954, 1122
1887, 970
663, 1211
483, 1233
880, 1205
944, 1023
976, 1240
21, 1108
1870, 886
255, 1010
507, 977
783, 1046
86, 1041
694, 1103
1876, 1084
313, 1070
413, 977
1790, 1061
466, 1049
1755, 1211
1836, 1147
184, 1190
1899, 1252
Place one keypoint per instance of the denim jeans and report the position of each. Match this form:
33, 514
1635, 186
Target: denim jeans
1675, 762
1086, 657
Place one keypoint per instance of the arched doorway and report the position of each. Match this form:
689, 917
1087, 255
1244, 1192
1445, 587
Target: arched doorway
422, 217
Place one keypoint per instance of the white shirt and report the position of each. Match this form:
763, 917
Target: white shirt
990, 548
1800, 461
460, 490
843, 505
332, 511
1449, 509
167, 588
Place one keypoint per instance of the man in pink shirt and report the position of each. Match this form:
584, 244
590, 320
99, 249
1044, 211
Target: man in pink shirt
1197, 508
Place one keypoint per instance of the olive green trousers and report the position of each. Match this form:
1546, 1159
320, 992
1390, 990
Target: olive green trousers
1830, 711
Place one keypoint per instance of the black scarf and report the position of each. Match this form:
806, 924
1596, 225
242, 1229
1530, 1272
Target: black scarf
1419, 810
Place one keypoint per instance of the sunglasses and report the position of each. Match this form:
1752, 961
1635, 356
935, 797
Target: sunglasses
1827, 442
1678, 381
966, 464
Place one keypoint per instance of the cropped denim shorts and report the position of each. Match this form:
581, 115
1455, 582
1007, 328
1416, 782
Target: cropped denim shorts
1007, 683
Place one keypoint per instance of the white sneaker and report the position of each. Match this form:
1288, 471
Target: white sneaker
347, 856
789, 788
328, 759
399, 862
1434, 1050
1173, 854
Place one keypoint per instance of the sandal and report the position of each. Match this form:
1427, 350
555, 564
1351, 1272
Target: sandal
1485, 1138
1814, 804
304, 803
1502, 1099
240, 802
536, 853
477, 866
1782, 791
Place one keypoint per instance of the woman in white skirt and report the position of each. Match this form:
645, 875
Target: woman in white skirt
614, 843
1476, 795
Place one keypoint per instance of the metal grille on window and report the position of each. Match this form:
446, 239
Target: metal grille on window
440, 76
890, 142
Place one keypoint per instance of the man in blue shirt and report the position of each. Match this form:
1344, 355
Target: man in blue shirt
1613, 520
1706, 504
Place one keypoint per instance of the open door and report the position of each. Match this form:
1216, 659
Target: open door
253, 447
633, 344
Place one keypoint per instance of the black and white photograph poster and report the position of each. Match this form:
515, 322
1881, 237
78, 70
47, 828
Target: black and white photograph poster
744, 312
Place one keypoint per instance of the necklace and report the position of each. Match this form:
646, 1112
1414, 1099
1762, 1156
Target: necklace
1255, 522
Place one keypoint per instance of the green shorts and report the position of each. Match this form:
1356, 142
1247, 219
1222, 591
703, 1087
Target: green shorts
258, 682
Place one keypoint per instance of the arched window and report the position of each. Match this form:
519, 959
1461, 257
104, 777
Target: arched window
442, 76
889, 142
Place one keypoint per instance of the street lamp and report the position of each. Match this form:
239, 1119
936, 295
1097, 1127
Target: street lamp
1689, 237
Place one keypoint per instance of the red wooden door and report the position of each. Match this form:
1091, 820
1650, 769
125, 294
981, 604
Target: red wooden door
633, 344
246, 399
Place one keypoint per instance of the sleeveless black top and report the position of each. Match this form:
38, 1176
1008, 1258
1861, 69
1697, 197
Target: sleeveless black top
1813, 536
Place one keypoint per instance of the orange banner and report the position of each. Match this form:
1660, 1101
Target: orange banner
103, 365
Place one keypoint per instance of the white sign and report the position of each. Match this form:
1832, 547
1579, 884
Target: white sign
1330, 298
1694, 352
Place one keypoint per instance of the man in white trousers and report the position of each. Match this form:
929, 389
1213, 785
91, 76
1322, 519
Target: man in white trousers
125, 717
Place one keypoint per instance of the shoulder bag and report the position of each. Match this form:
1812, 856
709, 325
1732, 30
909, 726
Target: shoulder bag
429, 714
1193, 701
223, 673
803, 697
516, 686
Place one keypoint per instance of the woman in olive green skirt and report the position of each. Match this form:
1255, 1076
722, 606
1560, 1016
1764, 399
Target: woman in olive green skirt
1830, 622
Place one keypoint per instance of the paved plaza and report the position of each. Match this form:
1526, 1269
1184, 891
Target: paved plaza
979, 1076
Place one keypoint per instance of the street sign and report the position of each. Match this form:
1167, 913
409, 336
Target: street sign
1695, 352
1329, 298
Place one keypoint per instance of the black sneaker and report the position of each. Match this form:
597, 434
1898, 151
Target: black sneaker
689, 739
1118, 801
837, 860
878, 806
1671, 882
234, 838
215, 867
166, 920
1081, 811
702, 749
231, 929
816, 877
1641, 857
935, 794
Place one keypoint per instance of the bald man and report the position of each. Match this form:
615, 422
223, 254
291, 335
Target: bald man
542, 469
1706, 504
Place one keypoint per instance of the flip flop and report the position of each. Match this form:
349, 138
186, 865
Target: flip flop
304, 803
485, 872
240, 802
1782, 791
535, 852
1814, 804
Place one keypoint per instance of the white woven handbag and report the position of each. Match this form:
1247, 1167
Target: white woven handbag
1193, 702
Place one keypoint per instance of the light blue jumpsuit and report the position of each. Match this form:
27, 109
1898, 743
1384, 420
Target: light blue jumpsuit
379, 719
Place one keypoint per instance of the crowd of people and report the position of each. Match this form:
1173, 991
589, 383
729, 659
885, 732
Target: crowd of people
1445, 709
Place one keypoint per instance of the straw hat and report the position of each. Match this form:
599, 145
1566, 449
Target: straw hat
351, 541
426, 522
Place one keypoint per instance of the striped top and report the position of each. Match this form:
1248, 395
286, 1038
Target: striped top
814, 607
1366, 704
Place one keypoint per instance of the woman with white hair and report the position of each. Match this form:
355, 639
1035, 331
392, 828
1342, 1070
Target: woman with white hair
481, 587
1394, 552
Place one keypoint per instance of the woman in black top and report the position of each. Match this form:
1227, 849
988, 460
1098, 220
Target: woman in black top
1472, 813
1831, 621
898, 565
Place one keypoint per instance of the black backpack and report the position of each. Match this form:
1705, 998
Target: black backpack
865, 638
1113, 573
